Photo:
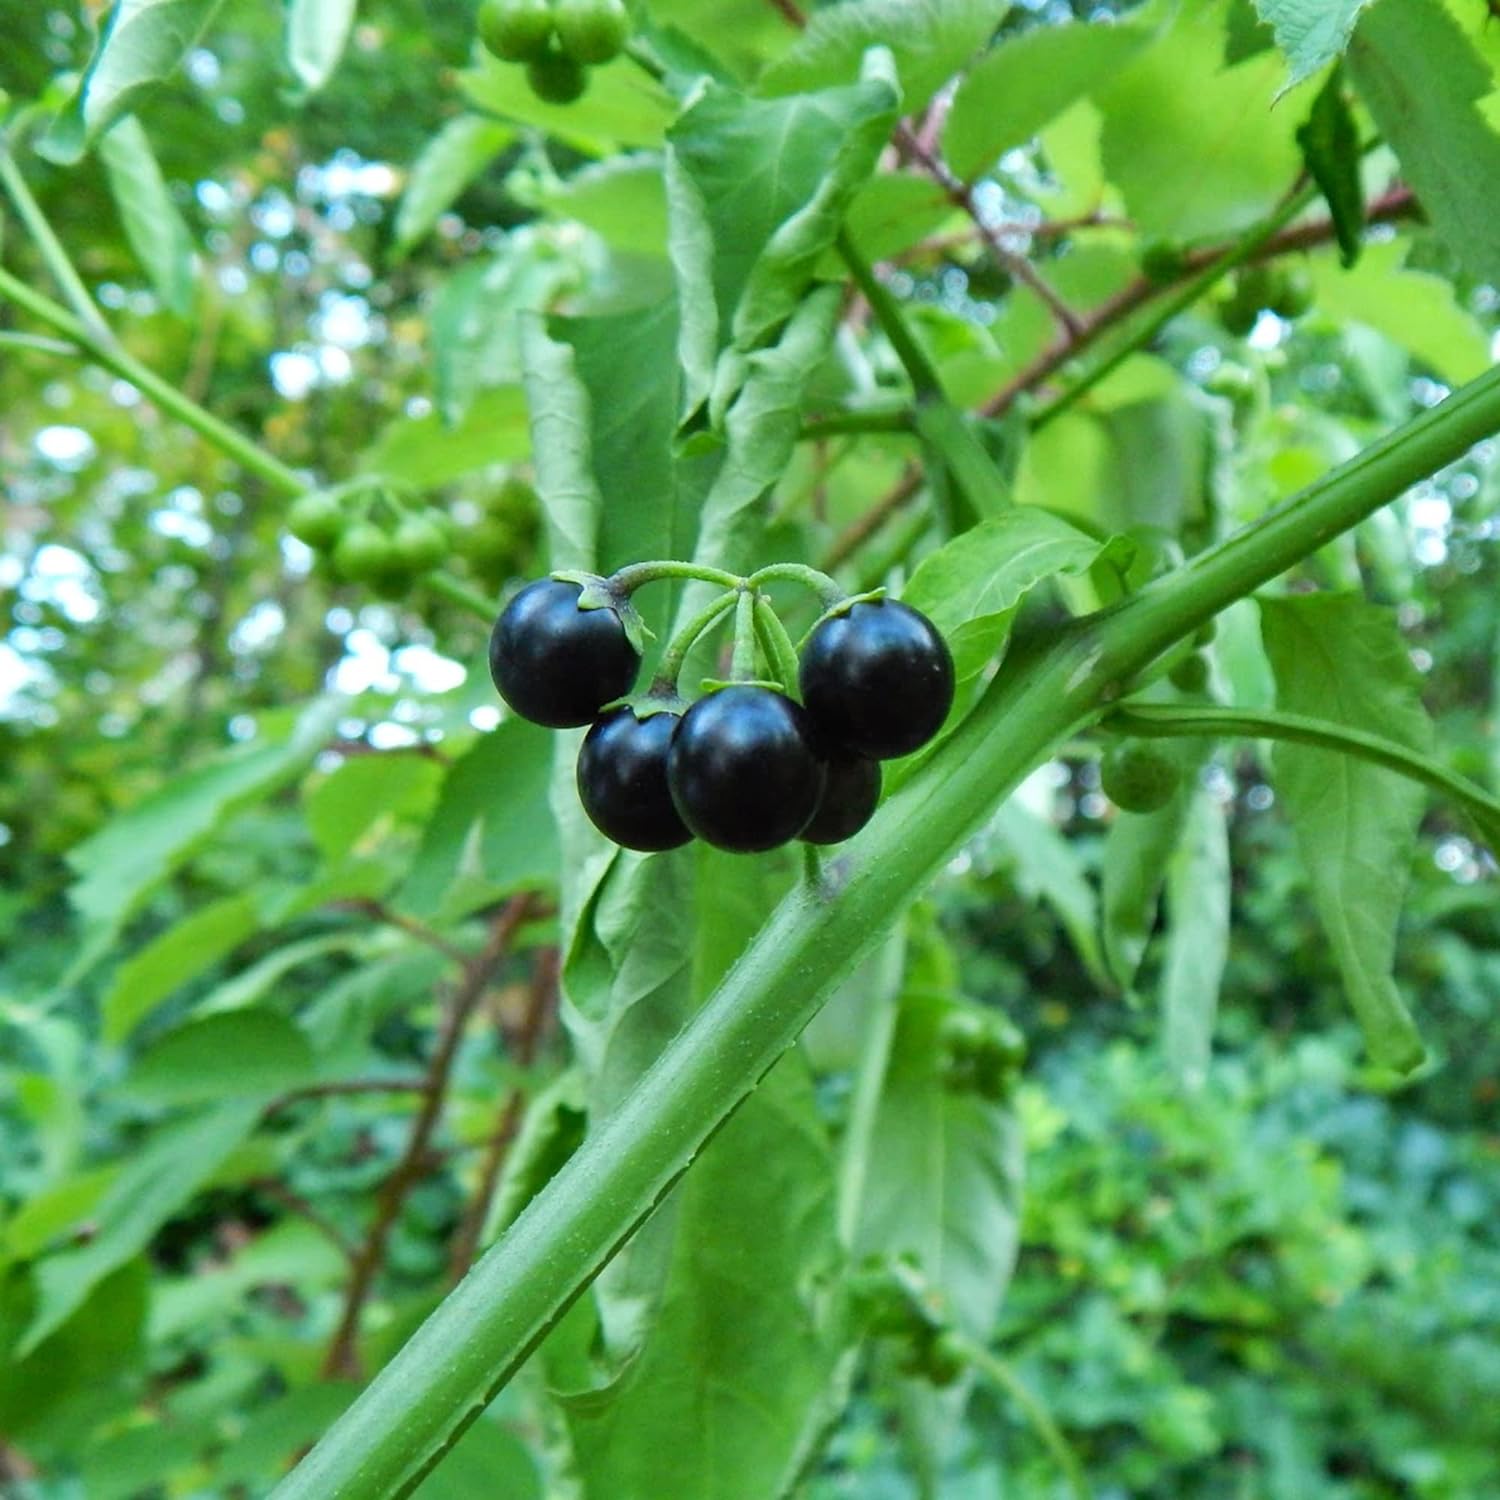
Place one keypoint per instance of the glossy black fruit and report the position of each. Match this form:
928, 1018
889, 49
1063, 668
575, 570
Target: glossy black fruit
557, 664
1138, 777
877, 680
515, 30
851, 790
592, 31
622, 780
556, 78
742, 769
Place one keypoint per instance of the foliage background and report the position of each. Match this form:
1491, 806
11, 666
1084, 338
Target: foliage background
1283, 1282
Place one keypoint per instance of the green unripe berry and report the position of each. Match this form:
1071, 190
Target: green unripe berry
1293, 294
1230, 379
1190, 675
492, 541
516, 30
1137, 777
1162, 262
592, 31
420, 543
363, 554
316, 519
556, 78
1238, 316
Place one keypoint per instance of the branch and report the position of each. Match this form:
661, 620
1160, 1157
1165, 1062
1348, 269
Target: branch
344, 1088
378, 911
341, 1359
295, 1203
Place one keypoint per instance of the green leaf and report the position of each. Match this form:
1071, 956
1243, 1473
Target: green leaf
892, 212
1028, 81
477, 318
449, 162
1330, 147
487, 1461
492, 824
561, 424
346, 804
184, 951
1197, 149
623, 107
274, 1434
142, 43
118, 867
1422, 81
971, 587
157, 232
239, 1054
1336, 657
317, 31
48, 1214
1197, 940
1311, 32
156, 1182
623, 200
930, 40
757, 190
427, 451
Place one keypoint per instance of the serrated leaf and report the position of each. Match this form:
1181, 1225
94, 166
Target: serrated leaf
142, 43
244, 1054
119, 866
449, 162
1195, 148
1025, 83
1330, 147
317, 32
1422, 81
1197, 940
1310, 32
155, 228
157, 1180
930, 40
1336, 657
492, 824
182, 952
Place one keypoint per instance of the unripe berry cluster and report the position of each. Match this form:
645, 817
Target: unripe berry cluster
744, 767
558, 40
365, 536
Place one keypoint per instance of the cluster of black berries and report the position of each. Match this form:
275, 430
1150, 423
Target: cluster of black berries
745, 767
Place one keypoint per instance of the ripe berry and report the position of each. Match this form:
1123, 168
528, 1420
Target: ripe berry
742, 769
515, 30
1138, 777
877, 680
317, 519
592, 31
622, 780
850, 792
556, 78
557, 664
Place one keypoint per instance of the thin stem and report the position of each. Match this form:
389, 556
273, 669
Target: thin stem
446, 586
829, 590
378, 911
776, 643
859, 531
1150, 721
35, 343
919, 368
848, 423
742, 664
637, 575
344, 1088
676, 654
250, 456
278, 1192
1180, 300
54, 256
1003, 1377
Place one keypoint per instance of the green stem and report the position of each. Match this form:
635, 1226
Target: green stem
445, 586
1000, 1374
829, 590
1149, 721
103, 351
674, 657
742, 665
418, 1405
920, 370
776, 643
1179, 302
848, 423
638, 575
54, 256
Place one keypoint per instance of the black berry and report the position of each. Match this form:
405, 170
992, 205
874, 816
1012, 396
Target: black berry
742, 769
557, 664
622, 780
850, 792
877, 680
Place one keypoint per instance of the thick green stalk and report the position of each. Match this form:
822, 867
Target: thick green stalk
416, 1407
54, 256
